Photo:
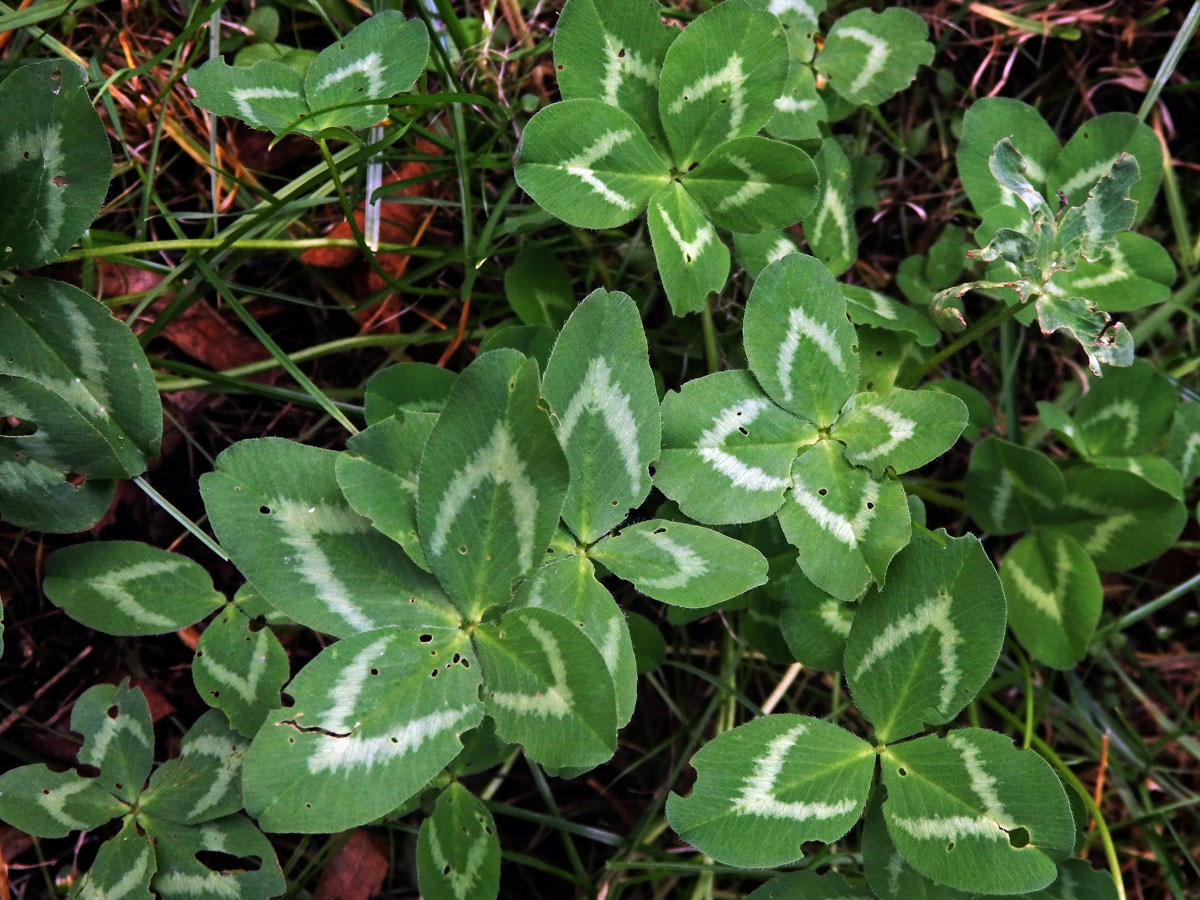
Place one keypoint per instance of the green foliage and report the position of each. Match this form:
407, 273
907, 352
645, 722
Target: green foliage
458, 853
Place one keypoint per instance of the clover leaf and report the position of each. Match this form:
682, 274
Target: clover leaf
189, 807
648, 122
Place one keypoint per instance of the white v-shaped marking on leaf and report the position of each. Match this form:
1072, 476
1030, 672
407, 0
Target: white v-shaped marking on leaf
900, 429
724, 424
801, 324
689, 564
600, 393
580, 165
844, 530
461, 880
555, 701
758, 795
933, 614
877, 55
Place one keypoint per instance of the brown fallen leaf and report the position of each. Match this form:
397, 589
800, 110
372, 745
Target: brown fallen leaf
356, 871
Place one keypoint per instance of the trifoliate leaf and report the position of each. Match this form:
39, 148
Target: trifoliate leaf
923, 645
680, 564
829, 227
800, 346
562, 714
1120, 518
613, 51
117, 738
1095, 146
1102, 340
491, 483
239, 668
589, 164
127, 587
867, 57
901, 430
1135, 272
183, 876
1126, 413
268, 95
727, 449
890, 877
204, 781
377, 59
407, 387
569, 588
971, 811
55, 162
692, 261
276, 507
720, 79
122, 870
537, 285
815, 623
458, 853
750, 184
845, 524
387, 705
1054, 597
766, 787
49, 804
601, 393
867, 307
1009, 488
986, 122
378, 477
1183, 441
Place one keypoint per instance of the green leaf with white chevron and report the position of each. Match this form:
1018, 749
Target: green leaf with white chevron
900, 429
589, 164
127, 587
985, 123
727, 449
800, 23
681, 564
458, 853
406, 387
378, 477
845, 524
538, 287
814, 623
268, 95
117, 737
276, 507
387, 706
720, 79
55, 162
68, 342
1154, 469
122, 869
1009, 487
182, 876
971, 811
1094, 147
890, 877
1010, 169
1103, 340
923, 645
752, 183
808, 885
1089, 230
1119, 518
1126, 413
1135, 272
756, 251
766, 787
867, 307
867, 57
605, 406
239, 669
380, 57
37, 801
829, 227
1054, 597
569, 587
799, 344
1183, 441
492, 482
547, 688
800, 109
692, 260
613, 51
204, 781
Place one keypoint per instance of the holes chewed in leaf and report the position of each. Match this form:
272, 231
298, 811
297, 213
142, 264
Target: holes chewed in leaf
112, 711
425, 638
59, 181
1019, 837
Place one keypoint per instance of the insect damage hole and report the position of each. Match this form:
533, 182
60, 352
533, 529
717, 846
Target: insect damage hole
1019, 837
59, 181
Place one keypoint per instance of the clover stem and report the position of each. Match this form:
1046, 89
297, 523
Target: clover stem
712, 355
992, 320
